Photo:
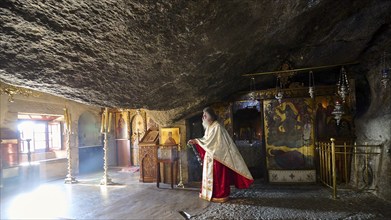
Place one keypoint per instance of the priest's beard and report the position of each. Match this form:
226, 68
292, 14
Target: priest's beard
205, 123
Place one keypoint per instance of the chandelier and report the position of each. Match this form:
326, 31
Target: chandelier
338, 111
385, 71
311, 84
343, 85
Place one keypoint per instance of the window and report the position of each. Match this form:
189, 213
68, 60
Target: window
54, 135
45, 133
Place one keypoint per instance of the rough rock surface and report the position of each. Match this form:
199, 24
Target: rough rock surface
177, 55
374, 127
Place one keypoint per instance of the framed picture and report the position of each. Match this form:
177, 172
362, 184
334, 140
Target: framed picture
121, 125
169, 136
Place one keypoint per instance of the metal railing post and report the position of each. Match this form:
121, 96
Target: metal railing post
356, 163
346, 164
333, 168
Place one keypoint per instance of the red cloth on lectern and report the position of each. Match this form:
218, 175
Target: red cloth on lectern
223, 177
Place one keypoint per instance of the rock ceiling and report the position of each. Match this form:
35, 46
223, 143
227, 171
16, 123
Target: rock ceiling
177, 56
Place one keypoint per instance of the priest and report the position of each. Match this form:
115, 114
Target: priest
223, 165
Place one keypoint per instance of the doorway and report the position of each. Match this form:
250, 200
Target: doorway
195, 130
248, 135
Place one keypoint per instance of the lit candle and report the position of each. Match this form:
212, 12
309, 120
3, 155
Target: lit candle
109, 125
69, 121
101, 123
106, 118
65, 119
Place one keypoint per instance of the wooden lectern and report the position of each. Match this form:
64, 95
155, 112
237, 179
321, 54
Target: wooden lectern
148, 156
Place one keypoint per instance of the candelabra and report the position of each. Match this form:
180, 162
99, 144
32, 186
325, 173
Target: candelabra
67, 133
105, 129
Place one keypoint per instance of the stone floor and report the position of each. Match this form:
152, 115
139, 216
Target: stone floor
297, 202
130, 199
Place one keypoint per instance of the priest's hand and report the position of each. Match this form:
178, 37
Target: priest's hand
192, 141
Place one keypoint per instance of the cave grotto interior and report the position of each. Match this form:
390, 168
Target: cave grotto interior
99, 100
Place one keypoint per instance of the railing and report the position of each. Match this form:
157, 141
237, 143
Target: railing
327, 165
335, 165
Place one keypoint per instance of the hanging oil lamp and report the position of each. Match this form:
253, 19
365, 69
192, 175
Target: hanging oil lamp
279, 94
252, 94
343, 85
384, 72
311, 85
338, 111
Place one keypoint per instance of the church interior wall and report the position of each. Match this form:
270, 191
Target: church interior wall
373, 126
42, 103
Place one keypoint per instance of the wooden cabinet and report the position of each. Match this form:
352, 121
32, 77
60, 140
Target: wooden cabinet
148, 156
9, 153
148, 160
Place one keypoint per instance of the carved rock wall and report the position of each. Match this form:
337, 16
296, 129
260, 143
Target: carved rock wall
374, 127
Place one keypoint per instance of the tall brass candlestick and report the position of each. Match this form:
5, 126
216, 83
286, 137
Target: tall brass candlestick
105, 128
67, 133
180, 184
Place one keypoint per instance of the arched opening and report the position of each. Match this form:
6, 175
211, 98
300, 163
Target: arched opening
137, 133
90, 144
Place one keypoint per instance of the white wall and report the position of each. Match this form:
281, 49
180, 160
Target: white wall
49, 104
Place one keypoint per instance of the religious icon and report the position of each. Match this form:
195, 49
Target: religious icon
138, 127
289, 134
121, 123
169, 136
151, 124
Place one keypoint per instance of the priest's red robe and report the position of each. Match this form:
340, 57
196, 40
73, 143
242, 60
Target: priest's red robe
223, 165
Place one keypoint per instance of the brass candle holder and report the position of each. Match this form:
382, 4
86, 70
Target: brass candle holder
67, 133
105, 129
180, 184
